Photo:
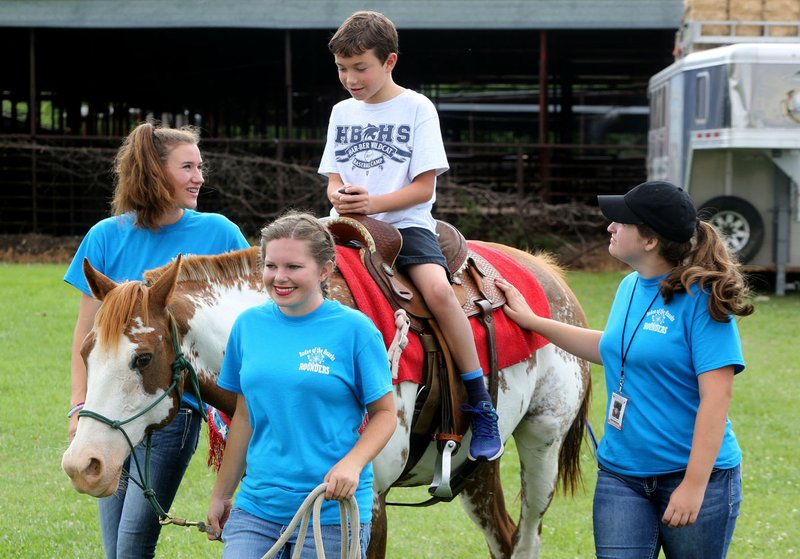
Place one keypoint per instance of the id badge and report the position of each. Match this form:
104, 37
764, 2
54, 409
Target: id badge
616, 411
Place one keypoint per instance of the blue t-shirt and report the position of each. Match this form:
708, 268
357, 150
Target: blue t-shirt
672, 346
307, 381
123, 252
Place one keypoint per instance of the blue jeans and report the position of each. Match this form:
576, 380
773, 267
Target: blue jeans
628, 510
250, 537
128, 523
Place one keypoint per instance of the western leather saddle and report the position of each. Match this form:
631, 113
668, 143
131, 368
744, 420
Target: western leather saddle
438, 408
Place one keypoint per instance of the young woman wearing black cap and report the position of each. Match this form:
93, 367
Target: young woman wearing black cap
669, 473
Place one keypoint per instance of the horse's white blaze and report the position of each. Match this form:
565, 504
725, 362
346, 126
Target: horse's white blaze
140, 328
116, 392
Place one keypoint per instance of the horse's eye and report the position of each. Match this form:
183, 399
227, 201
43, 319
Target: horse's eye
141, 360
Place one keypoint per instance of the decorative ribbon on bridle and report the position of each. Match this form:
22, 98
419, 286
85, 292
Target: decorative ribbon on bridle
179, 366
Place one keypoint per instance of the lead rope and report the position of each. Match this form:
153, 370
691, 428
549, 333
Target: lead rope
400, 341
351, 547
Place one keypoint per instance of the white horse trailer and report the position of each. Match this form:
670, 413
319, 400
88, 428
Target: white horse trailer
725, 123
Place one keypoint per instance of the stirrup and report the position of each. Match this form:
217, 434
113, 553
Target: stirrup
440, 487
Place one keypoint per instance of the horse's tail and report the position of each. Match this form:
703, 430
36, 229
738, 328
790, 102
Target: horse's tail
569, 457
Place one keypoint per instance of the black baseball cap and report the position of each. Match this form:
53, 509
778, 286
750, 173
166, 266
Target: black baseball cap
665, 208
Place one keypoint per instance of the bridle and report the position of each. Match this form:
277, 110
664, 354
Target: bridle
180, 366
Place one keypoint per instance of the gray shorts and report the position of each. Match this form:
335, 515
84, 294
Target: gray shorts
420, 246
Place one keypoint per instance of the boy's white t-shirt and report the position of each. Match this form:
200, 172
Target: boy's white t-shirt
383, 147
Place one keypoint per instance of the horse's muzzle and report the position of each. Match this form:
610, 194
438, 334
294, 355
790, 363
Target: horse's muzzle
90, 473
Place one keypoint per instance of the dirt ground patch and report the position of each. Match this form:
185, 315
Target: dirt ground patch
38, 248
34, 248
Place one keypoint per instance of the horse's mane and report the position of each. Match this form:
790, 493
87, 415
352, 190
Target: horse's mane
550, 261
228, 266
527, 258
119, 305
117, 310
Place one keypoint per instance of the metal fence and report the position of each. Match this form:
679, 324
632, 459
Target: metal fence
61, 185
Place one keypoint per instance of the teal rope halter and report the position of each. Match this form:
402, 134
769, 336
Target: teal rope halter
179, 366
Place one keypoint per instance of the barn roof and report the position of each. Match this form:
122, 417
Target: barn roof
328, 14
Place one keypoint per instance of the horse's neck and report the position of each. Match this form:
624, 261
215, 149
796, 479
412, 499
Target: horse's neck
212, 311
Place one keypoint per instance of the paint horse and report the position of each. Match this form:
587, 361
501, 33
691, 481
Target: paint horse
189, 309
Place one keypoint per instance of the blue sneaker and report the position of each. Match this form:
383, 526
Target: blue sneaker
485, 444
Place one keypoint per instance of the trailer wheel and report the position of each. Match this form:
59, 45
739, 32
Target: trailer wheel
739, 223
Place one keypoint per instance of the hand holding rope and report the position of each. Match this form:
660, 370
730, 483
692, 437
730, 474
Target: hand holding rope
351, 547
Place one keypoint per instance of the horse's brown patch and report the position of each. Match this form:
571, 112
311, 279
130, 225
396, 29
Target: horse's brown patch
340, 291
402, 420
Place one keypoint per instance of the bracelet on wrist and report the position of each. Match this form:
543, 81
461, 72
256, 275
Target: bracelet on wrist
75, 409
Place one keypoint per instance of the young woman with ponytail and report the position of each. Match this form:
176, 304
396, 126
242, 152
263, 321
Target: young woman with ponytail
159, 173
669, 476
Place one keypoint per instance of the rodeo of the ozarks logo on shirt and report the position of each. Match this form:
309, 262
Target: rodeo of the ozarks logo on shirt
315, 360
370, 146
658, 321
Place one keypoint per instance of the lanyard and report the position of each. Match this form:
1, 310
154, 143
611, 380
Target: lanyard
623, 350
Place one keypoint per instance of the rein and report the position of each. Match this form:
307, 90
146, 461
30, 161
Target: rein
180, 366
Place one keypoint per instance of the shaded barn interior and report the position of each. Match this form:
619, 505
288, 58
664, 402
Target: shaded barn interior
267, 93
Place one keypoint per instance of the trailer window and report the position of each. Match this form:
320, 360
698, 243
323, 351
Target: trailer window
701, 98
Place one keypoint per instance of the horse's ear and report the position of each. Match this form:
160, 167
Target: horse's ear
99, 284
162, 289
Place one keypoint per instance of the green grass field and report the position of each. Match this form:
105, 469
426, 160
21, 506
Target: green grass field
43, 517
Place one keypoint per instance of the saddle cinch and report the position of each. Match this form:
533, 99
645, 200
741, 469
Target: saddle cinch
437, 412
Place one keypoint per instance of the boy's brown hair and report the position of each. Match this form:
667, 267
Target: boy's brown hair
363, 31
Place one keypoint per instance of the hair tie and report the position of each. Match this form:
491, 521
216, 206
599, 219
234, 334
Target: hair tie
75, 408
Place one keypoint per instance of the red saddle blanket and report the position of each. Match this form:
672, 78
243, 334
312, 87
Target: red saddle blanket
514, 344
